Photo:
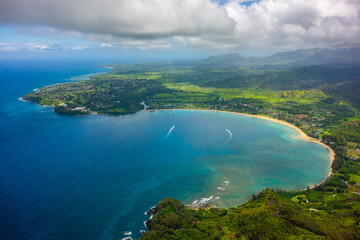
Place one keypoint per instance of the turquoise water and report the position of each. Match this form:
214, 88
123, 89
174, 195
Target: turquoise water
93, 177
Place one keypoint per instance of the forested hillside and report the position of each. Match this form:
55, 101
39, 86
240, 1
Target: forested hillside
269, 215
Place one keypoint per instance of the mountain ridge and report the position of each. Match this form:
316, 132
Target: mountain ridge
301, 57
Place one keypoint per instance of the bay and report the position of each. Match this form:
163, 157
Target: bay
93, 177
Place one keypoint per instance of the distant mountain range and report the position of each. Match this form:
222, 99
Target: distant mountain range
339, 57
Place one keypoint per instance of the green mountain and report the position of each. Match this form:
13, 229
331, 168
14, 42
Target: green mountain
292, 59
315, 57
232, 59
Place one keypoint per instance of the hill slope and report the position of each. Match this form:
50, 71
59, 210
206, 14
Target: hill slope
267, 216
298, 78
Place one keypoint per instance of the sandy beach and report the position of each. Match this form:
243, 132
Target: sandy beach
302, 134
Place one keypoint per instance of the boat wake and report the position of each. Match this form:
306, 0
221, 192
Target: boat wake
230, 136
171, 129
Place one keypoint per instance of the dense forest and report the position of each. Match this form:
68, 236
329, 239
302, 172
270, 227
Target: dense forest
268, 215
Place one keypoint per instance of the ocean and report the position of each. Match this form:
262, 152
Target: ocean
93, 177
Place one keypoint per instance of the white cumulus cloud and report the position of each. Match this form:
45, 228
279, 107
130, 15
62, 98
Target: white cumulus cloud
12, 47
201, 24
296, 23
105, 45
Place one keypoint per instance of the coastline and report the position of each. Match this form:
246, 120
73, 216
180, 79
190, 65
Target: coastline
302, 134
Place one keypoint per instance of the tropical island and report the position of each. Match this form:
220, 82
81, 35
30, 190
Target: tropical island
315, 90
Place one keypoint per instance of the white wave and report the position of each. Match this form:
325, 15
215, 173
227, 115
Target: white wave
204, 200
171, 129
230, 135
195, 201
21, 99
146, 213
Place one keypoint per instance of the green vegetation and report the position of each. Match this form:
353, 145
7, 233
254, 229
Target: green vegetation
322, 101
269, 215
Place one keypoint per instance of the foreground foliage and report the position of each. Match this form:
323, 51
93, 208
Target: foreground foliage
268, 215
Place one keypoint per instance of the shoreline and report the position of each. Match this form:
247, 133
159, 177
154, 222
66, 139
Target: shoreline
302, 134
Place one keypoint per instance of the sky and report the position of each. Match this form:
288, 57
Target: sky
170, 29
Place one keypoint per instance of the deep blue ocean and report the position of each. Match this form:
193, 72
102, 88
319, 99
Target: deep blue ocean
93, 177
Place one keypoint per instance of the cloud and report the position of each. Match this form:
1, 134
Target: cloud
40, 47
296, 23
144, 19
79, 47
46, 32
13, 47
105, 45
198, 24
127, 43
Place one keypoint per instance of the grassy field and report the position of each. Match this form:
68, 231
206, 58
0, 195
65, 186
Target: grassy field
354, 178
351, 119
270, 96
